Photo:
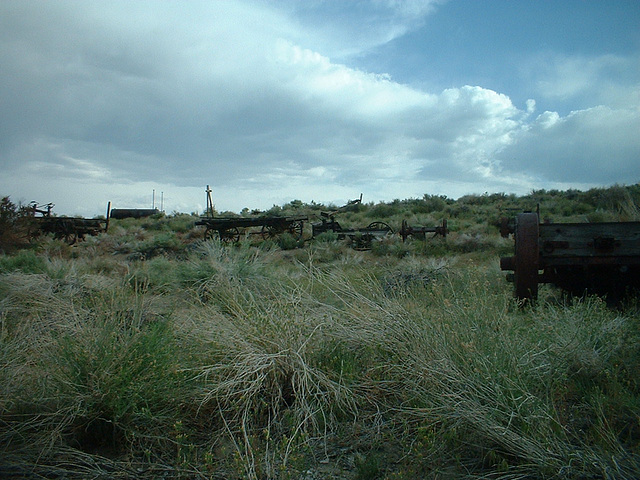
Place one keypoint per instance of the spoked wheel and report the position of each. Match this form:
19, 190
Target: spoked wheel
66, 233
230, 235
526, 256
210, 234
380, 226
269, 232
67, 237
296, 229
33, 234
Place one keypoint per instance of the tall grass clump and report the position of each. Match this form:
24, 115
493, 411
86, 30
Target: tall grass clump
476, 385
90, 377
257, 368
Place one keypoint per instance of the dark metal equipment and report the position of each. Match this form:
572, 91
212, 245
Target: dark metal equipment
120, 213
420, 232
359, 238
599, 258
230, 229
69, 229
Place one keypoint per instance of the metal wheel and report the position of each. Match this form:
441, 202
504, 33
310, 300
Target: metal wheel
230, 235
526, 256
66, 232
380, 226
33, 232
210, 234
296, 229
269, 232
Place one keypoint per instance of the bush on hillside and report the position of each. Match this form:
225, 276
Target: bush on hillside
13, 225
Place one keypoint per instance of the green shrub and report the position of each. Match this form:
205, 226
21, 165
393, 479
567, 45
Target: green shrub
26, 261
326, 237
14, 226
165, 242
286, 241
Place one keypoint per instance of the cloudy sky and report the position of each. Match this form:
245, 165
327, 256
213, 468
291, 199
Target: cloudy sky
270, 101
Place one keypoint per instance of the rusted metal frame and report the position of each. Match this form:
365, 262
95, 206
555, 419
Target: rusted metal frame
230, 229
71, 229
600, 257
407, 230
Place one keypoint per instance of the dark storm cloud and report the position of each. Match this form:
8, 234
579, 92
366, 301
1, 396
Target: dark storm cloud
248, 96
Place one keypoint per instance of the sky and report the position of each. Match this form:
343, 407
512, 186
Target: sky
145, 103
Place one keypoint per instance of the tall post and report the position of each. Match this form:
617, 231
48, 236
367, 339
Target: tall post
209, 202
106, 227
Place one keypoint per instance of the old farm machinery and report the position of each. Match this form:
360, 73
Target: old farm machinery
362, 238
359, 238
230, 229
420, 232
69, 229
599, 258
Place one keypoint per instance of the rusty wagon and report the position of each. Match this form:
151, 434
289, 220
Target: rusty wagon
421, 231
599, 258
359, 238
68, 229
231, 229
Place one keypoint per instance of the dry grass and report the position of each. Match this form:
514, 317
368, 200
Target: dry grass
257, 363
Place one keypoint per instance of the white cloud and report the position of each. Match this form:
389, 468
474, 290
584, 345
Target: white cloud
597, 145
531, 106
343, 30
603, 79
99, 102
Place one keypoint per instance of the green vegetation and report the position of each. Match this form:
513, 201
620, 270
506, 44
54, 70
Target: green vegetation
146, 352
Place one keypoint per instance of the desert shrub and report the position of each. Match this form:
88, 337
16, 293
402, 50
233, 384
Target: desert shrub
161, 243
99, 380
286, 241
26, 261
381, 210
430, 204
602, 216
14, 226
467, 243
392, 246
326, 237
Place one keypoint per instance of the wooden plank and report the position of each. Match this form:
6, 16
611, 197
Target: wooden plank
569, 240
